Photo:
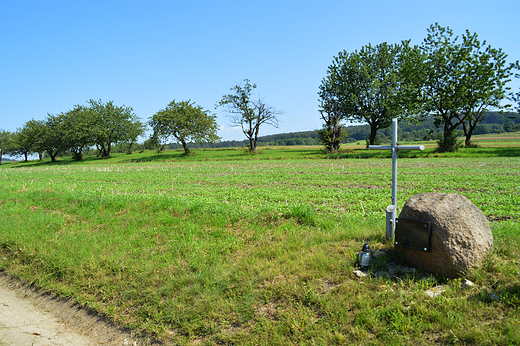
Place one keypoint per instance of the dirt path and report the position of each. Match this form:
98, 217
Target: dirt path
31, 318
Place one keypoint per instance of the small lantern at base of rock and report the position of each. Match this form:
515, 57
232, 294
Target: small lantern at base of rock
364, 256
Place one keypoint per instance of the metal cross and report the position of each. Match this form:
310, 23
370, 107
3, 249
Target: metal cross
391, 209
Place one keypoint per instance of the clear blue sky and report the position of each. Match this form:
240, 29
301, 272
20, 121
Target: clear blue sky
144, 54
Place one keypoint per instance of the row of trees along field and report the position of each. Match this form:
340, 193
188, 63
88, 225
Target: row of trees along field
494, 122
99, 125
104, 125
188, 123
455, 81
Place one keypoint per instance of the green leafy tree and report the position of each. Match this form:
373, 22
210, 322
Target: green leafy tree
77, 127
53, 135
510, 126
151, 143
6, 143
31, 138
457, 81
185, 122
331, 134
111, 124
249, 114
16, 145
516, 97
367, 87
136, 130
482, 129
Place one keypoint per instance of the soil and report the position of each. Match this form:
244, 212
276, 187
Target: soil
32, 317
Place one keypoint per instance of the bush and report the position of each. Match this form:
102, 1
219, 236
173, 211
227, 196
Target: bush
449, 144
482, 129
510, 127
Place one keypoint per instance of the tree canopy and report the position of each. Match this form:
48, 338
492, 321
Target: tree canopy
53, 136
31, 138
366, 85
6, 138
185, 122
98, 124
77, 130
110, 124
457, 81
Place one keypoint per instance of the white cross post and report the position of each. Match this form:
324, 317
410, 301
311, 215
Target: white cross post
391, 209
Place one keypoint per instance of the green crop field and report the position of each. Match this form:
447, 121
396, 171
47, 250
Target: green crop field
224, 247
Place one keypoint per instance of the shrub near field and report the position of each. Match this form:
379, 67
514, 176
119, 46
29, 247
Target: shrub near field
257, 251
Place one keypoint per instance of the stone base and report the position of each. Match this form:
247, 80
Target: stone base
461, 237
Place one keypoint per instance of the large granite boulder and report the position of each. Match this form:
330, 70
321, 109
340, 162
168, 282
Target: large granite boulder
460, 234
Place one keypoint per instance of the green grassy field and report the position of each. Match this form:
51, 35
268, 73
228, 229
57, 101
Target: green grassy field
224, 247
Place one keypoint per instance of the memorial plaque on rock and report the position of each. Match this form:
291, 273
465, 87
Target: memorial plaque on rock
460, 234
413, 235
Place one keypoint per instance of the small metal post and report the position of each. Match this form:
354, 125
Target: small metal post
390, 221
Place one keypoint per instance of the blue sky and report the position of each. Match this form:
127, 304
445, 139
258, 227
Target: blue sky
144, 54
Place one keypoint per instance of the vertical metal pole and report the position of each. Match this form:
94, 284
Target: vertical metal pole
391, 209
394, 162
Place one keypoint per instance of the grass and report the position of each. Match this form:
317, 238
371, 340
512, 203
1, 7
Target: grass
257, 249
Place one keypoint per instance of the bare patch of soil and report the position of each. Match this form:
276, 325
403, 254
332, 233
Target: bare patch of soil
32, 317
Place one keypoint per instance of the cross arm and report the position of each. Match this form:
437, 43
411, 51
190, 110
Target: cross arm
399, 147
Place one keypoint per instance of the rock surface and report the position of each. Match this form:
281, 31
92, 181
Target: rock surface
461, 237
435, 291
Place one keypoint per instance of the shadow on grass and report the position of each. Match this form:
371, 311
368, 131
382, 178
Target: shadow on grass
428, 152
160, 157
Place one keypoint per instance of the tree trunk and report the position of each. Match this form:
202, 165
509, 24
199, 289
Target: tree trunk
25, 155
77, 155
373, 133
257, 129
130, 147
185, 147
105, 151
471, 129
251, 144
109, 147
448, 143
332, 130
52, 155
337, 137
